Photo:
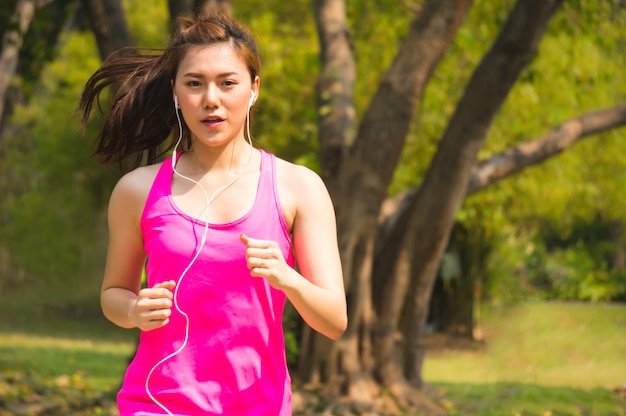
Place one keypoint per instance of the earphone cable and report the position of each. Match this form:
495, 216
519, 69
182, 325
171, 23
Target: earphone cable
208, 201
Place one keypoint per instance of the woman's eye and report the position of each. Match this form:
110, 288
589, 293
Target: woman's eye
229, 83
193, 83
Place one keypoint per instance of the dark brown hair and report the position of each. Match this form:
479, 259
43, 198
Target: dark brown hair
142, 115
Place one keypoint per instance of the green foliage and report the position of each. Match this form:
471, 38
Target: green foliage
149, 26
577, 266
378, 28
7, 10
53, 191
56, 200
41, 39
54, 194
53, 215
506, 281
285, 118
292, 324
544, 263
578, 69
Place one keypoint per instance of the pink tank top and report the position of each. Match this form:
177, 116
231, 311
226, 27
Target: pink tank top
234, 360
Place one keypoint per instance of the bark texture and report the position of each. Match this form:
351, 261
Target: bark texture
562, 137
431, 215
11, 43
384, 344
206, 7
108, 23
362, 171
191, 8
335, 86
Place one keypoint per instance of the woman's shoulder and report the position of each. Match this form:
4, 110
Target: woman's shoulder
295, 172
137, 183
299, 180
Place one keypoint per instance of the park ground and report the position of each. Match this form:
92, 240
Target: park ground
58, 356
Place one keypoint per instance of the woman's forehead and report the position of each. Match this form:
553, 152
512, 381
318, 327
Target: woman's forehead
211, 57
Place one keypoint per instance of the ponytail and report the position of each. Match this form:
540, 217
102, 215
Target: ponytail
142, 115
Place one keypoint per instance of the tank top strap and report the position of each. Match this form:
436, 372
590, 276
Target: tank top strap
267, 168
268, 189
162, 184
267, 180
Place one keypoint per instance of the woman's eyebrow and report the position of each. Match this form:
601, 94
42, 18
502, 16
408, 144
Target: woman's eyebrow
199, 75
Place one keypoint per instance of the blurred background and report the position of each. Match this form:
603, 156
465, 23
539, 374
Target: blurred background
474, 151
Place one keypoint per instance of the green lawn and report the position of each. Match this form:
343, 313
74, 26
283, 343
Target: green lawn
57, 351
544, 359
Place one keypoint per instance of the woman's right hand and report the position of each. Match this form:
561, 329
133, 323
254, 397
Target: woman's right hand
153, 306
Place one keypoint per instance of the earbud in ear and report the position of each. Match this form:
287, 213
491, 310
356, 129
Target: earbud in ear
175, 101
252, 98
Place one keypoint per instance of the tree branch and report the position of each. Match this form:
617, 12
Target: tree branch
515, 159
533, 152
385, 124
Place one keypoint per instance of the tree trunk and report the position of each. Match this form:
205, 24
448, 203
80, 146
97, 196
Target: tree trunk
492, 170
335, 86
108, 23
381, 138
11, 43
207, 7
337, 121
180, 8
446, 181
365, 170
451, 307
192, 8
618, 240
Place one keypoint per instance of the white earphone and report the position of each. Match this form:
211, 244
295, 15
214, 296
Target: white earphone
199, 247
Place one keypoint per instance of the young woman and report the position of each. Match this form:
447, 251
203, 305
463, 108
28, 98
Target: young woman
219, 227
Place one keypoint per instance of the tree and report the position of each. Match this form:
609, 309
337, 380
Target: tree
29, 31
389, 267
390, 276
12, 40
108, 24
197, 7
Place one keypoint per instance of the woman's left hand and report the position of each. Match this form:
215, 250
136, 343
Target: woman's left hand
264, 259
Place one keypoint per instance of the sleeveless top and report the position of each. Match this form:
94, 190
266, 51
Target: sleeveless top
233, 361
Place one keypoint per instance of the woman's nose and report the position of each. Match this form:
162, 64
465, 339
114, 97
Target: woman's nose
211, 97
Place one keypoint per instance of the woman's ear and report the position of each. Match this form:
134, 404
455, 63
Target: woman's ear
254, 94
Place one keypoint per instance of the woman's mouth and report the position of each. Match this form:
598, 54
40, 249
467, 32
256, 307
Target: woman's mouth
212, 121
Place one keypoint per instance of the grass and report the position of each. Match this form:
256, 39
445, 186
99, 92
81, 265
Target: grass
543, 359
57, 351
507, 398
100, 363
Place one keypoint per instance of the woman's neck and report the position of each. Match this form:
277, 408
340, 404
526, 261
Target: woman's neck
234, 158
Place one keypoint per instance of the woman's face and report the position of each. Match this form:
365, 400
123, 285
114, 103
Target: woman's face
214, 90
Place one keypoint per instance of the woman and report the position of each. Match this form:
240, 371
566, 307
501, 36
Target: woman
218, 226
